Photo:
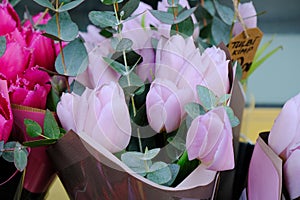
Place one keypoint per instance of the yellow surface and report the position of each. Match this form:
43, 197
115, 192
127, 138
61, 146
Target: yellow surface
254, 121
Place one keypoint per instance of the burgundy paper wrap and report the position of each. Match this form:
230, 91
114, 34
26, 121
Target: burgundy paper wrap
87, 173
39, 170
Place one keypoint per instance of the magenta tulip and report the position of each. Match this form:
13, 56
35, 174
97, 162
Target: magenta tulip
248, 13
31, 88
9, 18
16, 57
209, 139
6, 117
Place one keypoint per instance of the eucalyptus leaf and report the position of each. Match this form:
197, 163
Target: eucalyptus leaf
111, 2
8, 153
75, 58
224, 98
164, 17
1, 147
70, 5
51, 128
129, 8
206, 97
103, 19
2, 45
132, 58
226, 14
33, 129
124, 45
184, 28
157, 166
77, 87
40, 143
45, 3
133, 161
68, 30
173, 2
14, 2
150, 154
194, 109
20, 157
184, 14
174, 168
132, 85
220, 31
234, 121
118, 67
160, 176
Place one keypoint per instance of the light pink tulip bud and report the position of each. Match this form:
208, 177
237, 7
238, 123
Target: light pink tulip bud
108, 120
209, 139
248, 13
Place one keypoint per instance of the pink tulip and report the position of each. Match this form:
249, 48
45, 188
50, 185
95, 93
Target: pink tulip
31, 88
108, 120
6, 117
248, 13
291, 173
9, 18
101, 113
92, 37
209, 139
215, 67
165, 105
98, 71
285, 133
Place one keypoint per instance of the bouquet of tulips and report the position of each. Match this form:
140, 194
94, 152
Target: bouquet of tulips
146, 91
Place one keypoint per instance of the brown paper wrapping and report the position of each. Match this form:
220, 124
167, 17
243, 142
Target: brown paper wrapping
88, 171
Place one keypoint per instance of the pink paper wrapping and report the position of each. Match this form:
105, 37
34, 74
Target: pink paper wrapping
265, 172
39, 171
88, 171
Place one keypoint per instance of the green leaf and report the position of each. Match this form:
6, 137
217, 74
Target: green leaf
8, 153
68, 29
33, 129
111, 2
194, 109
52, 100
206, 97
70, 5
75, 57
133, 161
170, 2
234, 121
157, 166
1, 147
174, 168
224, 98
51, 128
132, 58
124, 45
160, 176
118, 67
149, 155
220, 31
14, 2
103, 19
20, 157
40, 143
184, 28
2, 45
133, 85
168, 18
45, 3
129, 8
77, 87
226, 14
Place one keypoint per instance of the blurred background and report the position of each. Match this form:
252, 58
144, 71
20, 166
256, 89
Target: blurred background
278, 79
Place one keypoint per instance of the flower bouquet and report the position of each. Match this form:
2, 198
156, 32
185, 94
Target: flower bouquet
147, 97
